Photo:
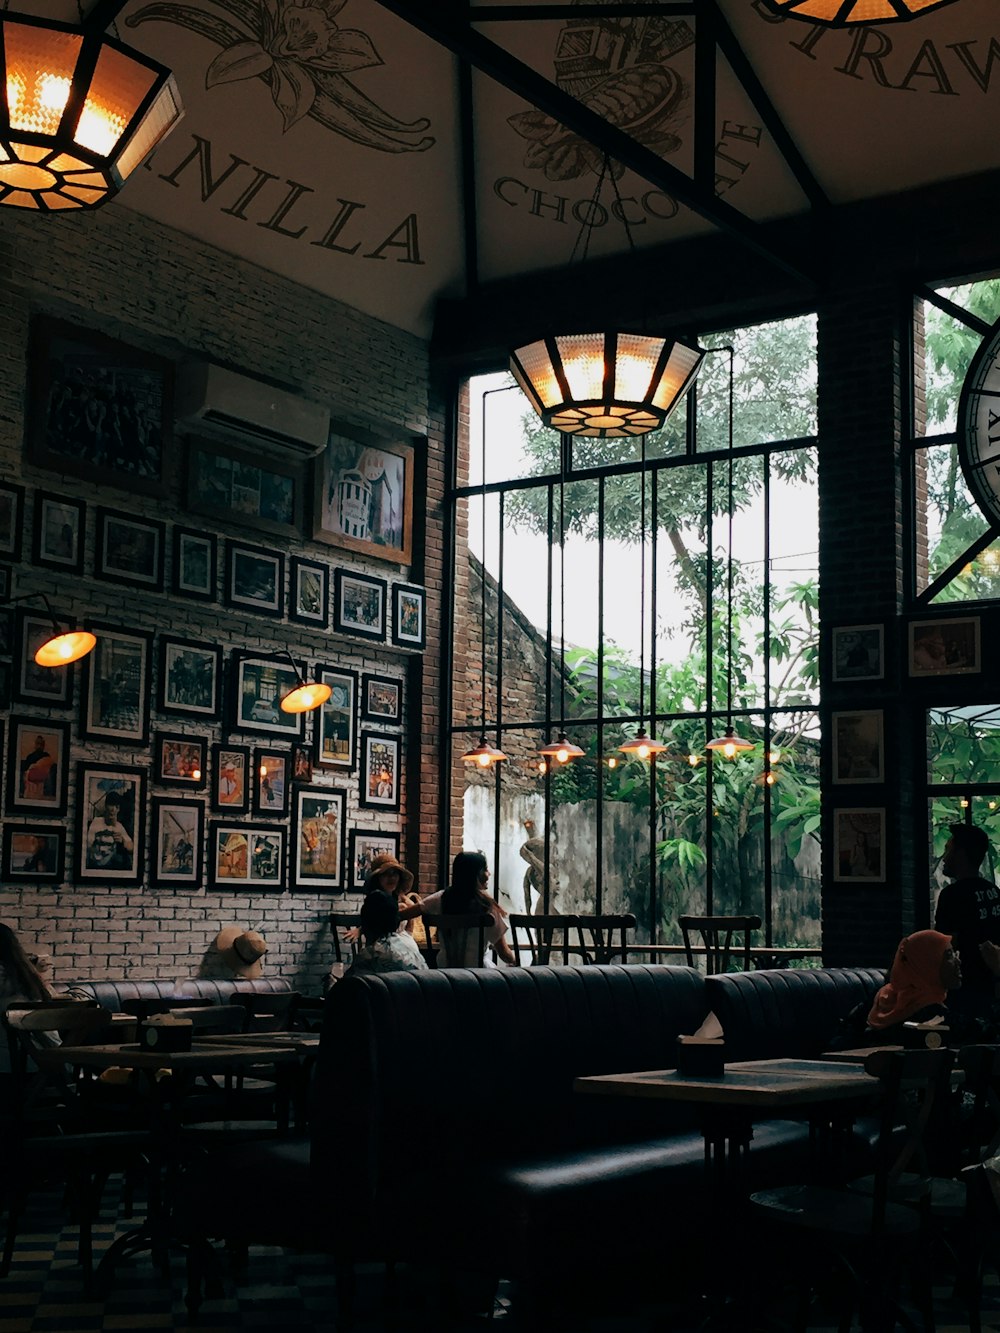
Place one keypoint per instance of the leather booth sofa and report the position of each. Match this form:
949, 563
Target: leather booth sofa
443, 1108
112, 994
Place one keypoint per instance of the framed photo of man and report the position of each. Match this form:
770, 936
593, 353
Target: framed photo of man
180, 760
245, 855
37, 766
364, 494
129, 550
231, 778
60, 525
98, 408
335, 729
359, 604
33, 853
858, 748
11, 520
379, 771
858, 652
364, 847
318, 840
195, 559
259, 683
190, 683
116, 686
177, 839
859, 846
34, 684
110, 816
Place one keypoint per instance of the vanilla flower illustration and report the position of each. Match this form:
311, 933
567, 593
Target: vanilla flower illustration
305, 56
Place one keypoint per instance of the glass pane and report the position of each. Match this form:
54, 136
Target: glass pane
793, 640
963, 744
944, 345
517, 444
948, 522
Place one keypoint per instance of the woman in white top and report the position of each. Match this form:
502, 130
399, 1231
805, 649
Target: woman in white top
468, 893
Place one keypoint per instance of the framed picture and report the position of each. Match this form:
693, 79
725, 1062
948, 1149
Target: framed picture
194, 563
364, 494
231, 778
129, 550
116, 686
37, 765
318, 840
335, 732
945, 647
302, 765
180, 761
6, 583
408, 629
99, 409
111, 813
34, 684
177, 837
380, 771
7, 632
11, 519
858, 652
309, 593
359, 604
33, 853
190, 681
255, 579
5, 685
245, 854
258, 685
364, 847
271, 782
381, 699
60, 525
859, 846
229, 484
858, 746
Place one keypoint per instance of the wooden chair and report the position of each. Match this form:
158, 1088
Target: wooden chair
604, 939
459, 935
723, 937
344, 951
142, 1009
267, 1013
547, 935
864, 1234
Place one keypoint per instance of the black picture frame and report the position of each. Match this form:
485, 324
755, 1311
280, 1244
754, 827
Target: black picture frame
236, 485
231, 779
317, 848
381, 699
5, 685
8, 631
302, 765
59, 533
189, 683
272, 782
33, 853
380, 771
335, 730
34, 684
194, 564
364, 845
360, 605
255, 579
409, 605
110, 849
116, 686
857, 652
37, 766
180, 760
6, 584
12, 520
98, 408
177, 840
246, 856
258, 682
309, 592
129, 550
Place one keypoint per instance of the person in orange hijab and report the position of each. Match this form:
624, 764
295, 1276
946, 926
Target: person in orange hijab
924, 970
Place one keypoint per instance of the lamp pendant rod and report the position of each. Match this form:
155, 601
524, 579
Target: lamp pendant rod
642, 585
482, 573
729, 629
562, 585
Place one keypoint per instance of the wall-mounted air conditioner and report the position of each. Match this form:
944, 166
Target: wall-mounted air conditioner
241, 408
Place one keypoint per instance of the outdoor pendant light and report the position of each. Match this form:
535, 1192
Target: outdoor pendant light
729, 745
79, 110
642, 746
562, 750
305, 696
66, 645
851, 13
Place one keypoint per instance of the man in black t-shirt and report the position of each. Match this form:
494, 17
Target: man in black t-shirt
968, 909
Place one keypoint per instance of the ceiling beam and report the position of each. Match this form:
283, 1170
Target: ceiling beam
460, 38
534, 13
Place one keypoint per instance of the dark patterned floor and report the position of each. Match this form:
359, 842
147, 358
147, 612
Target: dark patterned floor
281, 1290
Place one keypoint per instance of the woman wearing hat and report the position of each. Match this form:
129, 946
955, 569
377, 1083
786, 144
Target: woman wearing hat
390, 876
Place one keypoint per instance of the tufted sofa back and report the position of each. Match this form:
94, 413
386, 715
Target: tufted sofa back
787, 1011
112, 994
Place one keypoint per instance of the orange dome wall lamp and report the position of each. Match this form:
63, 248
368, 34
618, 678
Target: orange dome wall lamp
306, 695
79, 110
67, 645
852, 13
729, 745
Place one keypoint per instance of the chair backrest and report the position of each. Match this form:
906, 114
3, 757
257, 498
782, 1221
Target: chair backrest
340, 921
267, 1013
723, 938
43, 1027
547, 934
141, 1009
208, 1020
604, 938
461, 937
979, 1132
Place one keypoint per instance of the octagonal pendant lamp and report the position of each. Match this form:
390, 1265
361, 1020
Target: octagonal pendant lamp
852, 13
79, 111
605, 385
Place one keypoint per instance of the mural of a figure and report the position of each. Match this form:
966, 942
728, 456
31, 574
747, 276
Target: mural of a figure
533, 851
